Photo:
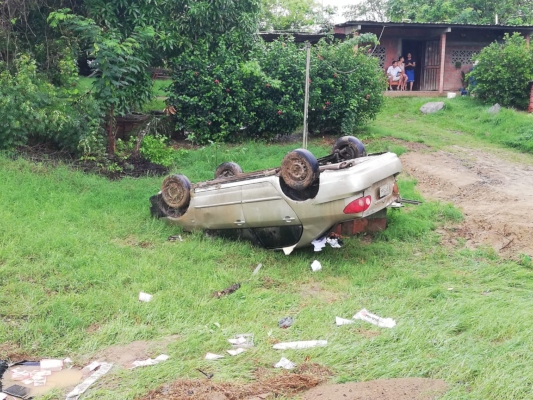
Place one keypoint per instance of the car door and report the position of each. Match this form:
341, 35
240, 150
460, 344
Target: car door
219, 207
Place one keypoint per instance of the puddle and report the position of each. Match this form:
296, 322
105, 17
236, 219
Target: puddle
66, 378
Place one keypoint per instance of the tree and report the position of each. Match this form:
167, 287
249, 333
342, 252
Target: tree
294, 15
370, 10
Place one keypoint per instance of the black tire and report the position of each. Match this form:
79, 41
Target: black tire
227, 169
299, 169
349, 147
176, 191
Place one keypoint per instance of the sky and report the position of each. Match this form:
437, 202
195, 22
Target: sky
339, 4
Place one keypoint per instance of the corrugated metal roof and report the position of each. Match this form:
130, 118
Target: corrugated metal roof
434, 25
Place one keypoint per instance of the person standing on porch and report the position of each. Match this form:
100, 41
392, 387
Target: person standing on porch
403, 81
410, 65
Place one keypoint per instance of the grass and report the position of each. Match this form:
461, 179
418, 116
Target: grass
75, 251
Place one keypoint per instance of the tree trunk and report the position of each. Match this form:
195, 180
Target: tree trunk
110, 128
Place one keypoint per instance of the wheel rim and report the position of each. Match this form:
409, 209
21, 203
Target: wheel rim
173, 193
296, 169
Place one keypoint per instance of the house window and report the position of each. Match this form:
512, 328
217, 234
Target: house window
379, 53
463, 56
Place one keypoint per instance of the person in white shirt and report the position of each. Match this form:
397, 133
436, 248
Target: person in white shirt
394, 73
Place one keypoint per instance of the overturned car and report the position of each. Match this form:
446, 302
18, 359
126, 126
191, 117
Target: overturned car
285, 207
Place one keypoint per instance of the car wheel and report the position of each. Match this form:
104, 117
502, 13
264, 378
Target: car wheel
349, 147
228, 169
299, 169
176, 191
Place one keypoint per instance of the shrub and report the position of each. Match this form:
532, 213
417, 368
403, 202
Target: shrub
503, 72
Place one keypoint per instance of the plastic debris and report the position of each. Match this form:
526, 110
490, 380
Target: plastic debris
90, 368
334, 243
284, 323
242, 340
300, 345
256, 270
319, 243
213, 356
52, 365
236, 351
145, 297
3, 396
365, 315
284, 363
226, 291
316, 266
149, 361
17, 391
82, 387
343, 321
175, 238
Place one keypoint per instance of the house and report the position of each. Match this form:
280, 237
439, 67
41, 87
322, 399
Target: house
441, 51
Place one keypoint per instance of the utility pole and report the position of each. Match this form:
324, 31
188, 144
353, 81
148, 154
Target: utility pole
306, 102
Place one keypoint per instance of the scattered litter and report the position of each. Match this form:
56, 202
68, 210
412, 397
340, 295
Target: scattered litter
3, 396
229, 290
343, 321
319, 243
17, 391
284, 363
67, 362
288, 250
300, 345
284, 323
333, 243
316, 266
150, 361
256, 270
364, 315
213, 356
450, 289
52, 365
103, 369
242, 340
236, 351
39, 381
90, 368
145, 297
175, 238
19, 375
208, 376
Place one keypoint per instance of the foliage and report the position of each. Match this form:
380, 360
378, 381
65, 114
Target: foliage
155, 148
295, 15
218, 96
503, 72
31, 108
509, 12
346, 87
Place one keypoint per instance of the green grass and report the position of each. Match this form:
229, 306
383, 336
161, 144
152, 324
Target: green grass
75, 251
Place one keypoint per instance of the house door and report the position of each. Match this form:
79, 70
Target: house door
430, 76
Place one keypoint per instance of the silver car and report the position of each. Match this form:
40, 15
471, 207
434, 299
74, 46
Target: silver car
285, 207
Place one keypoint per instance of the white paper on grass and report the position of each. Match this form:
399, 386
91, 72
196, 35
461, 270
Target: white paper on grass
284, 363
334, 243
319, 243
316, 266
239, 340
306, 344
150, 361
343, 321
365, 315
236, 351
213, 356
3, 396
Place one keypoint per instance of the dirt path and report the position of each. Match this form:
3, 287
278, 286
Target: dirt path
494, 191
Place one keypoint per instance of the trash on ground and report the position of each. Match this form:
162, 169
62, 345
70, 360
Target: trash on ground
90, 367
284, 323
334, 243
213, 356
226, 291
175, 238
316, 266
149, 361
242, 340
284, 363
208, 376
343, 321
236, 351
306, 344
367, 316
256, 270
103, 369
319, 243
17, 391
3, 396
52, 365
145, 297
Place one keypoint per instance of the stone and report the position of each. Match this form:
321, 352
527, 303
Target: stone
432, 107
495, 109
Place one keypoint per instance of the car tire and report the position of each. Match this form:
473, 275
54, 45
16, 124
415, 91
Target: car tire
299, 169
227, 169
349, 147
176, 191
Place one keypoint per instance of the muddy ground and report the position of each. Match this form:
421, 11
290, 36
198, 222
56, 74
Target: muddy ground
493, 190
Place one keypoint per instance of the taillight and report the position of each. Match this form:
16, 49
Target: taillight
358, 205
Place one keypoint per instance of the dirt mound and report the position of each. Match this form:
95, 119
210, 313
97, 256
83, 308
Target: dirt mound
492, 190
381, 389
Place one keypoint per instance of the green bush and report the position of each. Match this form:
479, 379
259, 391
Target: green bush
503, 72
32, 109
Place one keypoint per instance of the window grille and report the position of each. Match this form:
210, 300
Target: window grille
463, 56
379, 53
